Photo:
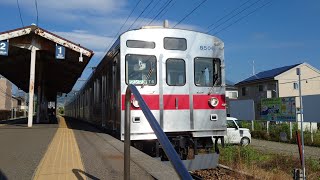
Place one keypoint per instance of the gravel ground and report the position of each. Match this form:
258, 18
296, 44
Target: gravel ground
284, 148
219, 173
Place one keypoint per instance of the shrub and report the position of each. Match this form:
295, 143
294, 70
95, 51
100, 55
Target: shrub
259, 126
276, 129
260, 135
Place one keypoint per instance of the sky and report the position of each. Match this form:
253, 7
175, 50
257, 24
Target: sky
258, 34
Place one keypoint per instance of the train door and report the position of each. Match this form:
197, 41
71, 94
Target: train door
175, 96
115, 95
103, 102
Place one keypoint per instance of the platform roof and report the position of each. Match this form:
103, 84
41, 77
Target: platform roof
51, 74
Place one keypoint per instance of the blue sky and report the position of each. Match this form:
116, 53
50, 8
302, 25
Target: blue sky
280, 33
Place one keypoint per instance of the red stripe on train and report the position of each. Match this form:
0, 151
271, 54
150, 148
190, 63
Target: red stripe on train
181, 102
171, 102
202, 101
151, 100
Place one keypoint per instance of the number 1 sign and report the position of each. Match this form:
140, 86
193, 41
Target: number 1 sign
4, 48
60, 52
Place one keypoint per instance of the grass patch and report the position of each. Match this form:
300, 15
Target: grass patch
266, 165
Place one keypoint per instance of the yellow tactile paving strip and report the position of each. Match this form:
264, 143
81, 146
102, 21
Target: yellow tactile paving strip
62, 159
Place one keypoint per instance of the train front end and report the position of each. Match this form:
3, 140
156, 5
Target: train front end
180, 75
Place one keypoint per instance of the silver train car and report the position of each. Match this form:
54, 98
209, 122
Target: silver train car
179, 73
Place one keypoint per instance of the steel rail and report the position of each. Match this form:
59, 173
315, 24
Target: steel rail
163, 139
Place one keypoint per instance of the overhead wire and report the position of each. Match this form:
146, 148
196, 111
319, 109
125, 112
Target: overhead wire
20, 13
239, 19
234, 16
163, 7
305, 79
141, 14
167, 9
190, 13
232, 11
151, 10
114, 38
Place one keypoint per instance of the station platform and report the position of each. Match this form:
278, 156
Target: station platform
70, 149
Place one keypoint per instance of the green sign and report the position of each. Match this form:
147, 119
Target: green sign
278, 109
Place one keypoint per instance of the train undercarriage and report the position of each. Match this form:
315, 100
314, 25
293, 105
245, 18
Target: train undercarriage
188, 148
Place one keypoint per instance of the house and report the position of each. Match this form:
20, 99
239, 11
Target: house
280, 82
231, 94
5, 94
231, 90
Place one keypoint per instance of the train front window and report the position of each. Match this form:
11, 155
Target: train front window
171, 43
176, 72
140, 44
141, 69
207, 72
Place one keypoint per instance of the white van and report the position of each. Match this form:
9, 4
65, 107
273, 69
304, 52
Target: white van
236, 134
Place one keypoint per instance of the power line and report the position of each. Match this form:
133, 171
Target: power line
190, 13
232, 11
110, 43
163, 7
141, 14
167, 9
234, 15
151, 10
295, 80
20, 13
36, 4
243, 17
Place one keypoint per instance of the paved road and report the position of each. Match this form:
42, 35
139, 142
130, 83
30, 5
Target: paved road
284, 148
22, 148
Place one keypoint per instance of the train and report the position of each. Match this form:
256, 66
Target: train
181, 77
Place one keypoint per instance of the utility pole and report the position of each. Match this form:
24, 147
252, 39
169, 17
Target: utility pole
253, 71
301, 122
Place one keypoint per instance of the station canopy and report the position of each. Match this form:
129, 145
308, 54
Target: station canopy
51, 74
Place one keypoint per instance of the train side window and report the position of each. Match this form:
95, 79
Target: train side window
207, 72
176, 72
140, 44
141, 69
171, 43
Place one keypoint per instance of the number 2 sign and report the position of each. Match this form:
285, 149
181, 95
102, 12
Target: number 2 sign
4, 48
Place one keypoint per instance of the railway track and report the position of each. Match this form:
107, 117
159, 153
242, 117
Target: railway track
221, 172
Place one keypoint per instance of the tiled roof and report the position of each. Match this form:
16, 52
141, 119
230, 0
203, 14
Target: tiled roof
270, 74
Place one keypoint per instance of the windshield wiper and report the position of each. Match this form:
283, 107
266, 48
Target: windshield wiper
147, 78
216, 78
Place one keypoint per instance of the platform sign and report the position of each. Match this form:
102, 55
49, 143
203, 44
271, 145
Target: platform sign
60, 52
4, 48
278, 109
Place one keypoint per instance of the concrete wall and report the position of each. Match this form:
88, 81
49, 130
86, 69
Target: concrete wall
5, 94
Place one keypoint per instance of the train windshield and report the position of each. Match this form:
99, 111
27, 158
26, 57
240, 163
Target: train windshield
141, 69
207, 72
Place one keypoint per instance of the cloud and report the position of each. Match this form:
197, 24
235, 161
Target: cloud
71, 13
84, 38
71, 6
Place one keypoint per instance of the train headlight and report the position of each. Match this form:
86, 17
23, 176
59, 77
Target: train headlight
213, 101
135, 103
